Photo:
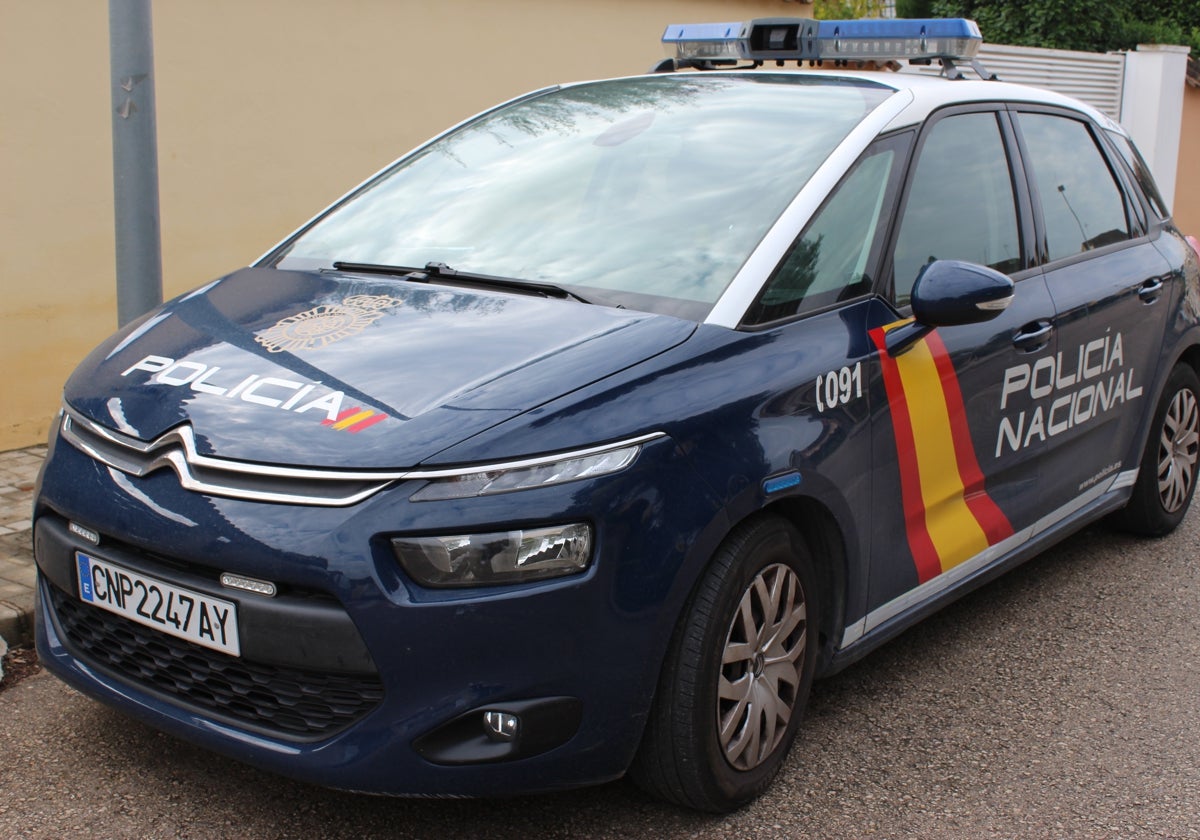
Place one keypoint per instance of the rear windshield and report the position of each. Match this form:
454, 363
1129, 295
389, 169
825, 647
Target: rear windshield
647, 193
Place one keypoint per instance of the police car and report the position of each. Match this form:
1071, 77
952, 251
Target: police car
580, 440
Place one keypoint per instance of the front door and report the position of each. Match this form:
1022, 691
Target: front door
961, 493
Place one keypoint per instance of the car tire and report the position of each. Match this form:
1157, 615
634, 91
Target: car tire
719, 730
1167, 474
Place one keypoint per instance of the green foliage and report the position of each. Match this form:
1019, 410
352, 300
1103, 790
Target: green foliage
1088, 25
1161, 31
847, 9
1063, 24
1076, 24
914, 8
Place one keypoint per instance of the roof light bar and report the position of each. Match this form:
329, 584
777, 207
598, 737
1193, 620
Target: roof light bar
803, 39
704, 41
954, 38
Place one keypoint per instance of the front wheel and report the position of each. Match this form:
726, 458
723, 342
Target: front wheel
1167, 474
738, 674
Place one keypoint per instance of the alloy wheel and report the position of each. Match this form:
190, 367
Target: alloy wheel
761, 667
1178, 450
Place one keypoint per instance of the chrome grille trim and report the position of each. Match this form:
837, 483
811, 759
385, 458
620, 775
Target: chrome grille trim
176, 449
219, 476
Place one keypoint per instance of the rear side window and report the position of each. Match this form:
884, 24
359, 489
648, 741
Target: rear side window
1082, 205
961, 204
1141, 172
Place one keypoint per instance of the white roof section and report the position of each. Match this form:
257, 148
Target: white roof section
1094, 78
931, 92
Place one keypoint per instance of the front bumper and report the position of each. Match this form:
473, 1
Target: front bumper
392, 679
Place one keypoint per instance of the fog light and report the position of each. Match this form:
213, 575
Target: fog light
519, 729
501, 726
497, 558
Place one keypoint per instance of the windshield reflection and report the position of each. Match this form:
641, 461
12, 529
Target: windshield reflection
653, 189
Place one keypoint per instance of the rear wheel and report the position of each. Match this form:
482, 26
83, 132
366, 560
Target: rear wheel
1167, 474
738, 674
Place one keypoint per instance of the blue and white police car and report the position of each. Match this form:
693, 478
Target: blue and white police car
580, 440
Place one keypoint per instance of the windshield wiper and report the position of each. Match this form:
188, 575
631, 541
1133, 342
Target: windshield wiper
441, 271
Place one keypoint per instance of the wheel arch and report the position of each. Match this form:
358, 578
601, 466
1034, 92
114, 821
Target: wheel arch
823, 519
1190, 357
679, 709
826, 541
1184, 352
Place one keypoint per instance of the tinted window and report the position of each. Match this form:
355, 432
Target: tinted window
828, 263
1140, 171
961, 203
1082, 205
651, 191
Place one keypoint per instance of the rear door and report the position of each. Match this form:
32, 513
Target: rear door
1112, 292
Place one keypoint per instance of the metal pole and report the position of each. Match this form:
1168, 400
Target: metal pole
135, 159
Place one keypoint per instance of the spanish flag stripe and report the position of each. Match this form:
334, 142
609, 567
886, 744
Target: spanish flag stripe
347, 413
949, 517
363, 424
952, 527
352, 419
988, 514
920, 544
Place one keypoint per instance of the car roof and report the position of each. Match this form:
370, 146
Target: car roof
930, 92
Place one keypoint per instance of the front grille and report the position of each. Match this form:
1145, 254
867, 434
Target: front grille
176, 449
288, 702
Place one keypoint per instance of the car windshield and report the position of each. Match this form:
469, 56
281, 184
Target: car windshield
647, 193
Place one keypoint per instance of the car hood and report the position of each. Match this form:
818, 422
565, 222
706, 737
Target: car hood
334, 369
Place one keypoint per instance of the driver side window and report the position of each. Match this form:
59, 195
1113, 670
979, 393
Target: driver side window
961, 204
829, 262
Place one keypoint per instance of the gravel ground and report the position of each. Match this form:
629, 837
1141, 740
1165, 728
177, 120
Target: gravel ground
1059, 701
19, 663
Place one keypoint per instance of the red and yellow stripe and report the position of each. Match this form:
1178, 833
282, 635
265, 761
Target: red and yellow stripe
948, 515
354, 420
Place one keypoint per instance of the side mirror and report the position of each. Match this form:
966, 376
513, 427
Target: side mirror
951, 292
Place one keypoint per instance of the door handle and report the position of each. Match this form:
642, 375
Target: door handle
1033, 336
1150, 290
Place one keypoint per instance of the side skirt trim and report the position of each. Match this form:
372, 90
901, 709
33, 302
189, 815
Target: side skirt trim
968, 569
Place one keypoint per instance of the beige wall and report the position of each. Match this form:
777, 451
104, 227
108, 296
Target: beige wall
267, 111
1187, 179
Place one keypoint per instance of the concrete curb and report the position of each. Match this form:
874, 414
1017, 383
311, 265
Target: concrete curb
18, 574
16, 620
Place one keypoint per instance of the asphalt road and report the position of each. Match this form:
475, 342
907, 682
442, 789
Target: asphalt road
1059, 701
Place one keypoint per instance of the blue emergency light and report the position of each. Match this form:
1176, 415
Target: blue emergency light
804, 39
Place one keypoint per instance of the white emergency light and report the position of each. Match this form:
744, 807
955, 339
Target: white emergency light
703, 41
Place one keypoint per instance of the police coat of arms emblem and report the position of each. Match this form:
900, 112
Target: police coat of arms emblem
325, 324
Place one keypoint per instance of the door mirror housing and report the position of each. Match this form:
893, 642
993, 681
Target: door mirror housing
951, 292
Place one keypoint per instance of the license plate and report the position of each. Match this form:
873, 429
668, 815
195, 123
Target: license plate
202, 619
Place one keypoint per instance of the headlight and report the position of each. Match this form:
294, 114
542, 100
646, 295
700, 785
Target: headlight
505, 478
496, 558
